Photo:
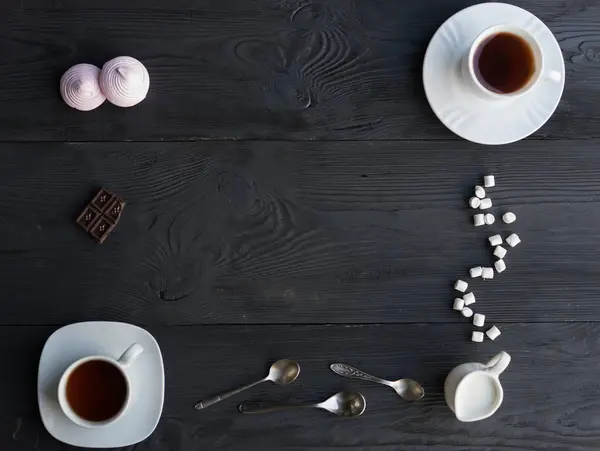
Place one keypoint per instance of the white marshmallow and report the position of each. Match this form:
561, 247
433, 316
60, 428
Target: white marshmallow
485, 203
474, 202
467, 312
479, 320
513, 240
478, 220
469, 298
461, 285
477, 337
476, 271
493, 333
80, 88
489, 219
500, 266
495, 240
500, 252
489, 181
124, 81
488, 273
509, 217
459, 304
479, 192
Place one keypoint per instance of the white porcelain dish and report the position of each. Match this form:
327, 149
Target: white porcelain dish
456, 103
79, 340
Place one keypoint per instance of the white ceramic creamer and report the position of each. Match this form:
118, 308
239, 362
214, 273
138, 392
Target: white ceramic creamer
473, 391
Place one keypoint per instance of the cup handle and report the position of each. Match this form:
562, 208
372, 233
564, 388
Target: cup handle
554, 75
498, 363
130, 355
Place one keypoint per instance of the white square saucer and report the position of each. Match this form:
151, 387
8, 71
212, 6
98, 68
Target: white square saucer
147, 376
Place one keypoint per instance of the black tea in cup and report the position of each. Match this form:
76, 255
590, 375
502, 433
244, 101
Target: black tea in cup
96, 390
504, 63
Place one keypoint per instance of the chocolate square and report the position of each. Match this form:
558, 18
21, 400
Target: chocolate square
102, 229
101, 216
115, 209
102, 200
88, 217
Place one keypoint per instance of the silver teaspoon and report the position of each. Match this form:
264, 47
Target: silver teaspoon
282, 372
407, 388
343, 404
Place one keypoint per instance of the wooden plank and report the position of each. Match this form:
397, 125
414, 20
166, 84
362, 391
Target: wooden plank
242, 233
283, 69
552, 401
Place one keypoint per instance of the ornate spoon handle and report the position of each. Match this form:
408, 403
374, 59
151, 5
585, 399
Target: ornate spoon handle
353, 373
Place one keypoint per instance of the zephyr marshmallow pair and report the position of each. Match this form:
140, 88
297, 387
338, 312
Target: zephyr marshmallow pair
482, 204
481, 271
492, 334
481, 219
123, 80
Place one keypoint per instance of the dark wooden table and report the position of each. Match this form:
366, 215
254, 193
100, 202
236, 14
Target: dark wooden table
291, 194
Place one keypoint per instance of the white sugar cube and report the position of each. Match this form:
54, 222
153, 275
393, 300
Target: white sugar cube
478, 220
476, 271
474, 202
488, 273
509, 217
479, 192
495, 240
500, 266
467, 312
477, 336
478, 320
513, 240
469, 298
489, 181
493, 333
489, 219
461, 285
500, 252
459, 304
485, 203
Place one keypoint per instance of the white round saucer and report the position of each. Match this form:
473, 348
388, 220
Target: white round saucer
147, 375
463, 111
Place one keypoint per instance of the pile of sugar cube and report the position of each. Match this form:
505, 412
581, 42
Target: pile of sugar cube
462, 304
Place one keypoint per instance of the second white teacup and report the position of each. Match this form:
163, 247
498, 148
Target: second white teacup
95, 391
525, 50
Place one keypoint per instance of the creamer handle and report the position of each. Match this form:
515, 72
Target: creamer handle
498, 363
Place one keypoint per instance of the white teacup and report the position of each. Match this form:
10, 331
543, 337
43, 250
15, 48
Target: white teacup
120, 364
539, 75
473, 391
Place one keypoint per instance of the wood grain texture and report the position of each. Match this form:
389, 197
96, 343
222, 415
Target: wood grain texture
254, 233
552, 397
283, 69
282, 203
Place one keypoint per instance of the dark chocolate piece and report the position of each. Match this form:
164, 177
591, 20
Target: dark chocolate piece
102, 229
102, 200
88, 217
115, 209
101, 216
